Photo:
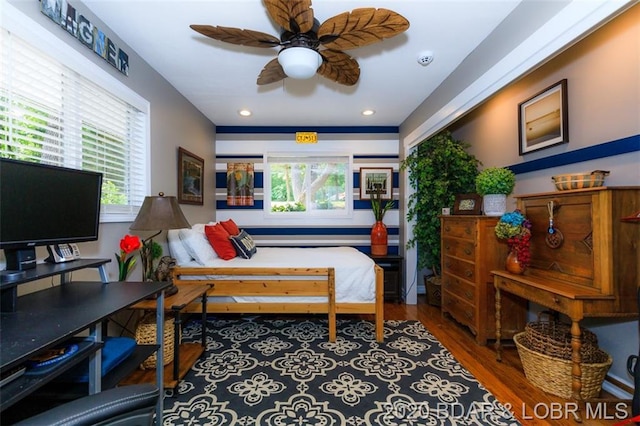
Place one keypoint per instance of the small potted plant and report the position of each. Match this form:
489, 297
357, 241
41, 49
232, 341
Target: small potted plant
494, 184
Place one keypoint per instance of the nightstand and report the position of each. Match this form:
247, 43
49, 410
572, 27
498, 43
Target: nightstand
393, 266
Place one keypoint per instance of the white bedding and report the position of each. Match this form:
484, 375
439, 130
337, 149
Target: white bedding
354, 271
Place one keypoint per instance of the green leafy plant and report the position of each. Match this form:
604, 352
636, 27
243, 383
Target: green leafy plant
495, 180
380, 207
439, 168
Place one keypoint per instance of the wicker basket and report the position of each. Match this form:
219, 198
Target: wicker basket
579, 180
146, 335
553, 375
553, 338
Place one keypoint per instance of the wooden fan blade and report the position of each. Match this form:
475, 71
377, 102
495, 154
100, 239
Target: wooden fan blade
360, 27
339, 67
295, 16
271, 73
237, 36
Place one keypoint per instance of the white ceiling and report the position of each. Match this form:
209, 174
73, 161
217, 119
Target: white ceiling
220, 78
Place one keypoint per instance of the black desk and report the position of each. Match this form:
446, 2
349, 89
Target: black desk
8, 288
51, 316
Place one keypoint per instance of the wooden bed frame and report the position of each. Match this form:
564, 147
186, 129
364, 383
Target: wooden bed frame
267, 282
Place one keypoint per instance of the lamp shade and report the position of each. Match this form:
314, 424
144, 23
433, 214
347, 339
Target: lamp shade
159, 213
299, 62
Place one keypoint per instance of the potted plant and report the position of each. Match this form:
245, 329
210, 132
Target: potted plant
379, 235
494, 184
439, 168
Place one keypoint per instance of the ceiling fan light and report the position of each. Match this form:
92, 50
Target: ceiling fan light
299, 62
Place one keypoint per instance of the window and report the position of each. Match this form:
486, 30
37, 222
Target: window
308, 185
50, 113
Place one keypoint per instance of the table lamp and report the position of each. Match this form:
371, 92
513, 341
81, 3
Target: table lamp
158, 213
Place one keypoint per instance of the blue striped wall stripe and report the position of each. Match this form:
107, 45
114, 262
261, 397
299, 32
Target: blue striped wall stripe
259, 204
264, 231
222, 205
258, 180
607, 149
294, 129
364, 249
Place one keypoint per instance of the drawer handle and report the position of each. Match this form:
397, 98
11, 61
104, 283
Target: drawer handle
556, 300
468, 314
467, 230
467, 251
447, 247
468, 294
469, 273
447, 228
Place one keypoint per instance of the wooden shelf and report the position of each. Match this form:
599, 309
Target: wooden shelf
189, 354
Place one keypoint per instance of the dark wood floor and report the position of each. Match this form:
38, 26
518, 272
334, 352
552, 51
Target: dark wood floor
506, 379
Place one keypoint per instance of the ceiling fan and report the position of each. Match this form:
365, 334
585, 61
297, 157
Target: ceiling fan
307, 46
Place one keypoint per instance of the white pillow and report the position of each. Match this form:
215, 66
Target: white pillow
176, 248
197, 245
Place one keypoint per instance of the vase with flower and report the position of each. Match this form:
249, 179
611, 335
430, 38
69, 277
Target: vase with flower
126, 261
516, 229
379, 234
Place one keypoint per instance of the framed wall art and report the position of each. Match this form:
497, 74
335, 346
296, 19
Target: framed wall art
467, 204
190, 177
240, 182
543, 119
373, 178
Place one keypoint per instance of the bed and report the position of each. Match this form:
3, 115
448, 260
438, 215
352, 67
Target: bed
320, 280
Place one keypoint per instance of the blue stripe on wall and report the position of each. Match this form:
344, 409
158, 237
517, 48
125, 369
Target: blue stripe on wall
607, 149
315, 231
293, 129
222, 205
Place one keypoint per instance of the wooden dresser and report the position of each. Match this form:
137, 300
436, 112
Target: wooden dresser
470, 250
593, 273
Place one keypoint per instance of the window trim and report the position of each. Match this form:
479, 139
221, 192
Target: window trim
312, 214
36, 34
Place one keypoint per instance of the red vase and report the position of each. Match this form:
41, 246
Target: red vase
512, 263
379, 239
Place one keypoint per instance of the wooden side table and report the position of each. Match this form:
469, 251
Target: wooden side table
184, 354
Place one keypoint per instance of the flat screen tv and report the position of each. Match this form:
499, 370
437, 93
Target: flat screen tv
46, 205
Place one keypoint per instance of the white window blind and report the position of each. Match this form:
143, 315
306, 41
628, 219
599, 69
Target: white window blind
51, 114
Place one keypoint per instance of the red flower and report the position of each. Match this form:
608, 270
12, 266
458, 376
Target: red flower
130, 243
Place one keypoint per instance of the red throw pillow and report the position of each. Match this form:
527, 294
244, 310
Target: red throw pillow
231, 227
219, 239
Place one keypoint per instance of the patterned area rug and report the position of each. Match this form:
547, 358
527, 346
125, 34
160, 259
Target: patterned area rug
285, 372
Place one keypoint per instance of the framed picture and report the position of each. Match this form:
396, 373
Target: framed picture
543, 120
467, 204
372, 179
190, 177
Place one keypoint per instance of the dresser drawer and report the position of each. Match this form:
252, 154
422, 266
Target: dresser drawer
461, 268
461, 228
463, 312
463, 289
464, 249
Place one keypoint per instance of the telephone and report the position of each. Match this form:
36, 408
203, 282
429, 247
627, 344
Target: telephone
63, 253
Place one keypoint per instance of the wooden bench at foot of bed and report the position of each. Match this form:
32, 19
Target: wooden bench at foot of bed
291, 282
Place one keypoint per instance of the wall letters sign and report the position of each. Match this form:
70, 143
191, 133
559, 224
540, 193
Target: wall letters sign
79, 26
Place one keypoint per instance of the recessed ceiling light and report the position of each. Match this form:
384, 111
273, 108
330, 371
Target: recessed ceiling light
244, 112
368, 112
